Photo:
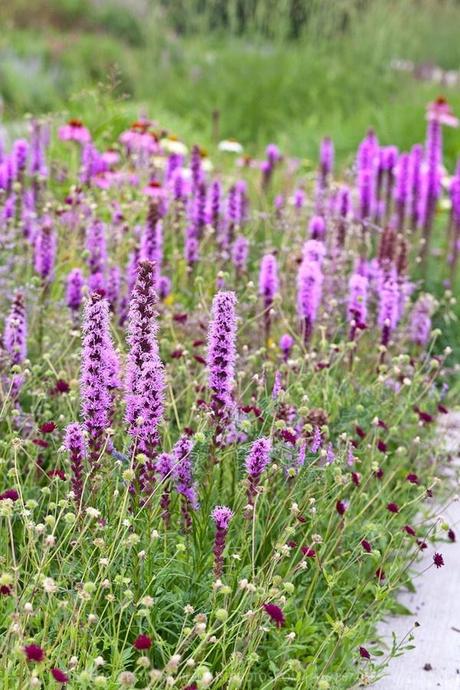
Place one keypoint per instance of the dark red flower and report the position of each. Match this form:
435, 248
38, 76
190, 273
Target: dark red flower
393, 507
443, 409
61, 386
47, 427
382, 424
363, 653
33, 652
341, 507
451, 535
176, 354
198, 343
423, 416
378, 474
57, 473
410, 530
12, 494
142, 642
59, 676
308, 552
193, 686
380, 574
40, 442
438, 560
275, 614
382, 447
199, 359
356, 478
366, 545
5, 590
180, 318
288, 436
422, 544
412, 478
361, 433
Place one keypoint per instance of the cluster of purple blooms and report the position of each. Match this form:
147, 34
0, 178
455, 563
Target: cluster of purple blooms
186, 207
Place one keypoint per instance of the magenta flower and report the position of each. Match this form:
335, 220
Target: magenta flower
59, 676
275, 613
142, 642
34, 652
45, 251
285, 344
74, 130
221, 516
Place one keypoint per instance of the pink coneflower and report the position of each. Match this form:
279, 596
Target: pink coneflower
34, 652
275, 613
142, 642
59, 676
74, 130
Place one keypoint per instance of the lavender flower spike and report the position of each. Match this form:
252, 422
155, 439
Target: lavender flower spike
309, 291
357, 303
268, 286
15, 335
222, 352
96, 366
74, 442
145, 381
255, 463
74, 289
221, 516
182, 472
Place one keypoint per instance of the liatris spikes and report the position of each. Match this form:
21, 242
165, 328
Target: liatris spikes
454, 191
309, 290
343, 206
45, 251
182, 471
401, 191
221, 354
221, 516
357, 303
420, 319
256, 462
268, 286
145, 382
214, 205
74, 443
317, 228
388, 306
366, 172
74, 290
96, 400
113, 287
152, 245
285, 344
326, 162
15, 334
415, 182
240, 250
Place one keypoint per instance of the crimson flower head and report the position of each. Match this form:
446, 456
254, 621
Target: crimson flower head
438, 560
59, 676
363, 653
409, 530
367, 546
451, 535
393, 507
34, 652
412, 478
275, 614
47, 427
341, 507
142, 642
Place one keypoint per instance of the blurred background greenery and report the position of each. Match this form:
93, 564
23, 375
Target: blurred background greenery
288, 71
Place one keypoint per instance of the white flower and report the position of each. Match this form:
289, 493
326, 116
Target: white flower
49, 585
230, 146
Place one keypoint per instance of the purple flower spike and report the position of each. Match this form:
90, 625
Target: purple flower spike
309, 291
420, 319
74, 442
357, 303
45, 251
221, 516
145, 380
15, 335
74, 289
285, 345
240, 250
221, 353
317, 228
388, 306
401, 192
268, 286
182, 472
164, 467
256, 462
96, 375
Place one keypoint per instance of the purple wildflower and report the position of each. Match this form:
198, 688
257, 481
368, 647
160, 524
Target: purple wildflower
145, 382
74, 442
221, 516
182, 472
222, 352
256, 462
285, 344
357, 303
420, 319
240, 250
74, 289
45, 251
309, 290
268, 286
388, 306
15, 334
